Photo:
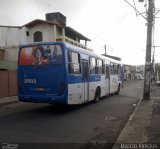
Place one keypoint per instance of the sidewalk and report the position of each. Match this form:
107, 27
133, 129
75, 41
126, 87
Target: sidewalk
8, 100
155, 124
143, 128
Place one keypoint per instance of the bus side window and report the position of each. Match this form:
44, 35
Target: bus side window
107, 72
119, 68
73, 63
115, 69
92, 63
85, 70
111, 68
59, 56
99, 66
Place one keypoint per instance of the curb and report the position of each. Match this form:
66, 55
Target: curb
135, 110
8, 100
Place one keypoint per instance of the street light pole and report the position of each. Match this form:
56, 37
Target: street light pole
147, 76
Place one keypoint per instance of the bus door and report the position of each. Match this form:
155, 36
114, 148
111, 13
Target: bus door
107, 79
85, 80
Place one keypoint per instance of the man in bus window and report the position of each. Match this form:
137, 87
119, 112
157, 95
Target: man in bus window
54, 54
47, 53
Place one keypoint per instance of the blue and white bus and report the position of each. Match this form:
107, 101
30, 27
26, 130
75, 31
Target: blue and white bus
56, 72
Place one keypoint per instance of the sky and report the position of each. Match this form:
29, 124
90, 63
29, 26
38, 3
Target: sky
106, 22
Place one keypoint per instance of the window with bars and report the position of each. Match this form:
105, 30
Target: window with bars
38, 36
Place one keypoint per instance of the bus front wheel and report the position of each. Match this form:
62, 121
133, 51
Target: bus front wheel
97, 95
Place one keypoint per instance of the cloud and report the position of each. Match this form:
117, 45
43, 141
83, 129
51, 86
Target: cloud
19, 12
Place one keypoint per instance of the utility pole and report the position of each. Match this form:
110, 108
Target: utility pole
150, 21
105, 48
147, 76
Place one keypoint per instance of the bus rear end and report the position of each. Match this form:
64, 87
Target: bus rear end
41, 73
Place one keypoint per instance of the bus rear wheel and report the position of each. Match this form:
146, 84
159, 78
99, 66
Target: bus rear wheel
118, 90
97, 95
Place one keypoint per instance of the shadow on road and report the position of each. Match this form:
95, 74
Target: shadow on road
58, 109
64, 109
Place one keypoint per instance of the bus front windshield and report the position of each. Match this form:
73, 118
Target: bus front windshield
40, 55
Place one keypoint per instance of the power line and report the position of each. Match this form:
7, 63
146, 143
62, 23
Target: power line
156, 12
135, 9
114, 24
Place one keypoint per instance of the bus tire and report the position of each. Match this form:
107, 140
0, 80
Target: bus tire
118, 90
97, 95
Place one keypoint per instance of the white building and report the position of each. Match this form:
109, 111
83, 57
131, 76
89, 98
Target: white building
140, 69
52, 29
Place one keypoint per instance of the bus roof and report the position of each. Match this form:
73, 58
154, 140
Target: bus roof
75, 48
96, 55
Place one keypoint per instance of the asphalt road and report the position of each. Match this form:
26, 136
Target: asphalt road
88, 123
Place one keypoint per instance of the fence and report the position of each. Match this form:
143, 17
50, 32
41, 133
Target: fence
8, 83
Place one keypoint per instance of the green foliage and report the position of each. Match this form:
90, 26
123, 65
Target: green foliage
157, 67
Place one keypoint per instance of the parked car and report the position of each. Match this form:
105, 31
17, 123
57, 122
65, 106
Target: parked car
158, 83
140, 77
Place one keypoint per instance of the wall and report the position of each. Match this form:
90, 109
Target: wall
59, 32
11, 54
8, 83
2, 54
47, 31
25, 39
10, 36
10, 39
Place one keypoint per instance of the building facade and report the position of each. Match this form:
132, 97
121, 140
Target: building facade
50, 30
